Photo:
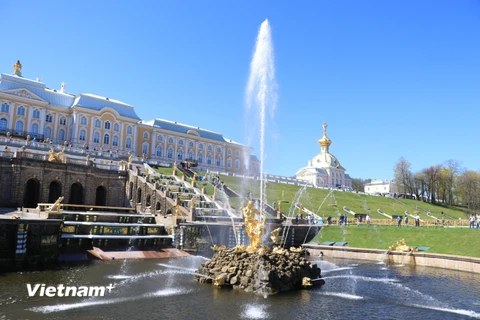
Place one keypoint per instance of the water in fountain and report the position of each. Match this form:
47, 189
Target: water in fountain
131, 246
226, 203
261, 90
291, 212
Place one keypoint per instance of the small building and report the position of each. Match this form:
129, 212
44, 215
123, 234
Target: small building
381, 187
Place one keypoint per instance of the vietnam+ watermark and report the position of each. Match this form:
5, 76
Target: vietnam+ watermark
42, 290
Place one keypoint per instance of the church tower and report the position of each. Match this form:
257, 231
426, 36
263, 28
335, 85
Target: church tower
324, 142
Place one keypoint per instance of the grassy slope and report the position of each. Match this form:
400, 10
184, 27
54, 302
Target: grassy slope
458, 241
312, 198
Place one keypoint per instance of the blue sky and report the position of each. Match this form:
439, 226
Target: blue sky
391, 78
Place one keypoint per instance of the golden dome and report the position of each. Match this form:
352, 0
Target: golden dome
324, 141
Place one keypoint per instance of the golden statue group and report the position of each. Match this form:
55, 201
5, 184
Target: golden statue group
254, 227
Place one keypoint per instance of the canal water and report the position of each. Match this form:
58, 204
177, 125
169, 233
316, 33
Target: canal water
164, 289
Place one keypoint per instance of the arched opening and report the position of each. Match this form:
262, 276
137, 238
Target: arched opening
101, 196
130, 193
148, 201
139, 195
55, 191
32, 193
157, 206
76, 193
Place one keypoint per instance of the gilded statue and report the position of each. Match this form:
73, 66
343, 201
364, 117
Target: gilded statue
402, 246
275, 236
130, 159
255, 228
17, 68
55, 157
56, 206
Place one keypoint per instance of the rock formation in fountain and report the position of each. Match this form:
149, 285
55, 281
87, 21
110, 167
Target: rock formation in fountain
256, 268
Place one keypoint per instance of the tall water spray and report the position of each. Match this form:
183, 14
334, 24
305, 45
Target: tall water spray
261, 91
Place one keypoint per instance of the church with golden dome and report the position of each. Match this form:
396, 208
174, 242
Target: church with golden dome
324, 170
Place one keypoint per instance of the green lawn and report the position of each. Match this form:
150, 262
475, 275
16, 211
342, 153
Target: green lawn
457, 241
312, 198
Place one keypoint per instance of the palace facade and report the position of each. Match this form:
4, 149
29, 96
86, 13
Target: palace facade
324, 170
30, 108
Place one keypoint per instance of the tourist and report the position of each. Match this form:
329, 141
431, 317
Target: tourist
320, 221
417, 220
296, 219
472, 220
478, 221
399, 221
406, 221
367, 218
329, 220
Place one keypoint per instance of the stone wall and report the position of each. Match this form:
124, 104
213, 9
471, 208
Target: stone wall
25, 243
444, 261
16, 172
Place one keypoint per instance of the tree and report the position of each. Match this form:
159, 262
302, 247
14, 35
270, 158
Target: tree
403, 175
432, 175
468, 189
452, 171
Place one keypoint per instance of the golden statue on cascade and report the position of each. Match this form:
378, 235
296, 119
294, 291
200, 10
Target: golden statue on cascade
55, 157
255, 228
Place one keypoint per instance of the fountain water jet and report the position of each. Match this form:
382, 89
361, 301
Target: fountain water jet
261, 89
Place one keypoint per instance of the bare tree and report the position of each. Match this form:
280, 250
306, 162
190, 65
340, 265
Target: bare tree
403, 175
432, 176
468, 189
453, 171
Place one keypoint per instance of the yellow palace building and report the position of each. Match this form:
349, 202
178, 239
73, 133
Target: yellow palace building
92, 122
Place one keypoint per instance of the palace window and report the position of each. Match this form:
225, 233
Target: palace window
237, 153
83, 121
5, 107
237, 164
159, 138
219, 150
128, 143
210, 148
48, 118
36, 114
180, 154
116, 127
107, 125
219, 161
63, 120
21, 111
145, 135
106, 139
229, 163
3, 124
96, 137
229, 152
129, 130
170, 140
190, 144
35, 129
145, 148
209, 159
98, 123
190, 155
115, 141
83, 135
47, 133
200, 158
61, 135
200, 146
180, 142
19, 126
170, 153
158, 151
